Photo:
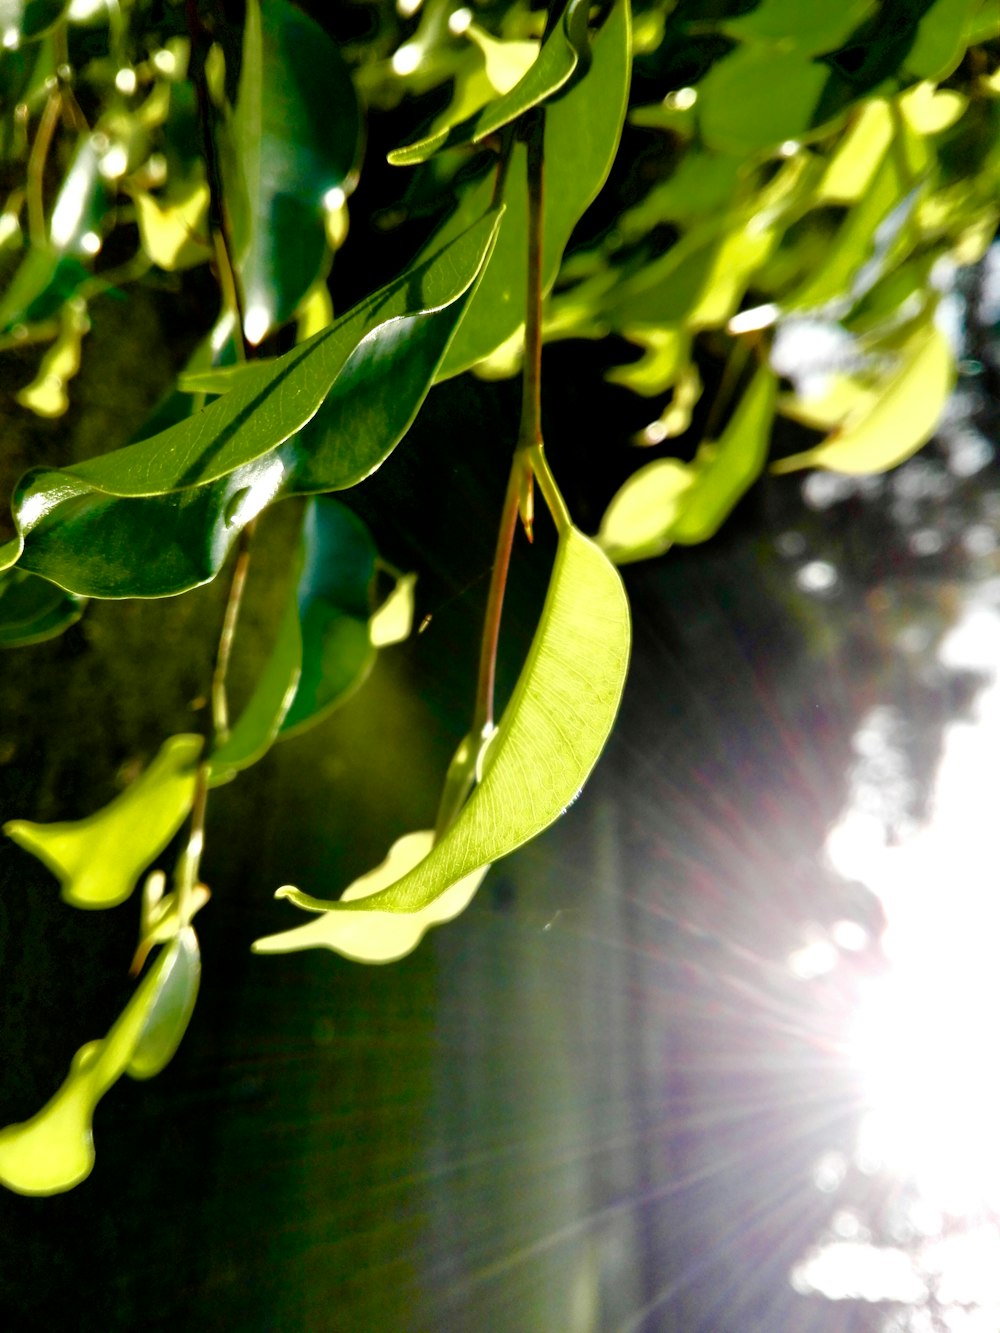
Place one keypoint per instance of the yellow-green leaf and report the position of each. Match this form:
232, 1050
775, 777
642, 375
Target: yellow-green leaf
549, 738
638, 522
902, 417
54, 1150
379, 937
98, 859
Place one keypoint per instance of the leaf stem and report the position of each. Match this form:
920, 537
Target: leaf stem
220, 704
35, 174
482, 717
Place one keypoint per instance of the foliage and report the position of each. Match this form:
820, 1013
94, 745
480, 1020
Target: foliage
812, 169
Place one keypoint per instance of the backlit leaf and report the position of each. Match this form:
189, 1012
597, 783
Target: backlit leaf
582, 130
638, 522
54, 1150
553, 68
297, 129
160, 516
99, 859
548, 740
33, 610
379, 937
903, 416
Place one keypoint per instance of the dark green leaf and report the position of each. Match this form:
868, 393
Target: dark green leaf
582, 131
297, 132
33, 610
323, 650
554, 67
21, 20
158, 517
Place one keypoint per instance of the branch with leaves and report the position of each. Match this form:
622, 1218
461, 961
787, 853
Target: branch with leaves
817, 167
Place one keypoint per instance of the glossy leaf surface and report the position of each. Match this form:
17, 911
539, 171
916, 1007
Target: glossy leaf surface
33, 610
160, 516
582, 130
549, 738
552, 70
54, 1150
296, 129
170, 1011
99, 859
323, 650
379, 937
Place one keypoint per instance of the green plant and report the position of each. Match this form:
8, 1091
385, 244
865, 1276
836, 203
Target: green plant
814, 165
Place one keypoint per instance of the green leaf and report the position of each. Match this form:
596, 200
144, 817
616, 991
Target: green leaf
323, 650
898, 420
21, 20
551, 70
33, 610
582, 131
98, 859
169, 1014
820, 25
297, 134
160, 516
54, 1150
669, 501
549, 738
758, 97
941, 39
379, 937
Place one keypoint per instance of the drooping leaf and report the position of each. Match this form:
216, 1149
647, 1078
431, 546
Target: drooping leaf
323, 650
297, 131
159, 516
548, 740
554, 67
99, 859
900, 418
669, 501
379, 937
582, 130
54, 1150
170, 1012
33, 610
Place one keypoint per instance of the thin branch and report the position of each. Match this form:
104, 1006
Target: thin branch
35, 175
482, 717
220, 705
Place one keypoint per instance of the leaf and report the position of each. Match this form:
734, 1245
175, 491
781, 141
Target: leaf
582, 130
160, 516
33, 610
379, 937
638, 522
901, 418
170, 1012
725, 471
46, 394
324, 650
174, 227
549, 738
393, 621
297, 131
941, 39
551, 70
738, 109
22, 20
98, 859
54, 1150
669, 501
820, 25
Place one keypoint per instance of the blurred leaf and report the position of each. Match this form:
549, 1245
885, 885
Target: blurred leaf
812, 28
98, 859
78, 213
557, 60
44, 281
638, 522
858, 155
46, 395
170, 1011
174, 227
21, 20
297, 132
54, 1150
738, 109
393, 621
33, 610
903, 415
379, 937
159, 516
548, 740
941, 39
582, 131
666, 351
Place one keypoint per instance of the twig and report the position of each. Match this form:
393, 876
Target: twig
35, 174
